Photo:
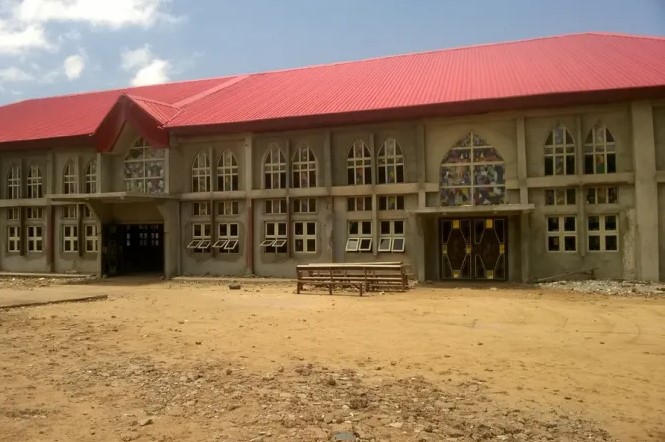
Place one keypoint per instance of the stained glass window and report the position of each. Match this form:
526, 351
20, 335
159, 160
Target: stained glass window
70, 178
472, 173
359, 164
34, 182
390, 163
560, 153
201, 173
600, 151
91, 177
274, 168
304, 168
144, 169
227, 172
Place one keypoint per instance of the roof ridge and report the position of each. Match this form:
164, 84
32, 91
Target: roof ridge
193, 98
625, 35
150, 100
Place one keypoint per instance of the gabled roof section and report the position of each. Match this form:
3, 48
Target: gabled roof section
543, 72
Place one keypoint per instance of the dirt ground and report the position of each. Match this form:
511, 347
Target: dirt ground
173, 361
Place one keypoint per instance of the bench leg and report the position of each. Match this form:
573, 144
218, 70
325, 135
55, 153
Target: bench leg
298, 287
361, 289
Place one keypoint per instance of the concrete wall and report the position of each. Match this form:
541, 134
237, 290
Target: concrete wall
661, 230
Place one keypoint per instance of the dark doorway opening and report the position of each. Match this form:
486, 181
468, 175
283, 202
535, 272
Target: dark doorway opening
132, 248
474, 248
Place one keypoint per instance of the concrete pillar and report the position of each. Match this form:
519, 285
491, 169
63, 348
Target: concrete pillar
248, 152
326, 173
525, 230
171, 216
646, 192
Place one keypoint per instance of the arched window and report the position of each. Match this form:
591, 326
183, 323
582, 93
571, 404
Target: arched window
304, 168
34, 182
201, 173
144, 169
227, 172
560, 153
69, 178
600, 151
472, 173
390, 163
90, 178
274, 168
14, 182
359, 164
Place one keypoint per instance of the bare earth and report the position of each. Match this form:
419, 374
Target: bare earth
171, 361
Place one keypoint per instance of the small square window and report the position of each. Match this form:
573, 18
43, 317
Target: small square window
352, 244
385, 245
398, 245
365, 245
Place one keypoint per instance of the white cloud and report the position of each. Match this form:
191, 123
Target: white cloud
114, 14
136, 58
73, 66
13, 74
155, 73
14, 40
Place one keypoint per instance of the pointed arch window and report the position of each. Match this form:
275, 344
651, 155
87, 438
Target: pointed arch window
560, 152
14, 182
69, 178
359, 164
472, 173
304, 168
227, 172
390, 163
144, 169
600, 151
201, 173
34, 182
274, 168
90, 177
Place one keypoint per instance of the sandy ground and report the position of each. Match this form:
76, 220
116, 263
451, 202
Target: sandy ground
173, 361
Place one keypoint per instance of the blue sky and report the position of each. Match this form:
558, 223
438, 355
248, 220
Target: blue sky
50, 47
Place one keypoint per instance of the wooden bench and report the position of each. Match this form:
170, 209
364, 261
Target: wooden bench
364, 277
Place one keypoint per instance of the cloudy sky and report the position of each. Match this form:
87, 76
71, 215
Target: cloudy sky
50, 47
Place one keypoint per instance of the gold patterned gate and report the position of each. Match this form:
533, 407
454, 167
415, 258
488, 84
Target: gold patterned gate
473, 248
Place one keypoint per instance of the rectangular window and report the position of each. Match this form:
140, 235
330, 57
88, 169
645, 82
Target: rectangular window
560, 197
603, 233
391, 236
602, 195
228, 238
70, 212
304, 237
201, 238
391, 202
275, 237
70, 239
561, 234
359, 203
91, 238
35, 238
304, 205
201, 209
359, 236
227, 208
274, 207
35, 213
13, 239
13, 213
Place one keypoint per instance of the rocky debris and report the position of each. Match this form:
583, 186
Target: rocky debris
235, 286
610, 287
29, 283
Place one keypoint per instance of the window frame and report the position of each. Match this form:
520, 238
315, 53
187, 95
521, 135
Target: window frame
91, 239
608, 192
602, 233
566, 194
228, 178
227, 242
304, 205
222, 207
596, 147
359, 167
90, 177
70, 178
360, 237
390, 160
14, 182
269, 206
34, 182
359, 204
201, 172
69, 240
305, 237
304, 168
560, 146
201, 240
147, 155
13, 238
392, 237
275, 242
391, 202
561, 234
274, 168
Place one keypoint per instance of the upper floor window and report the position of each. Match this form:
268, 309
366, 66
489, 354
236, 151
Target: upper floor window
359, 164
227, 172
69, 178
304, 168
91, 177
390, 163
560, 153
201, 173
144, 169
274, 168
600, 151
14, 182
35, 182
472, 173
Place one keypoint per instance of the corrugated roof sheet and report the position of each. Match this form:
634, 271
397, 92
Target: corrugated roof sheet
579, 63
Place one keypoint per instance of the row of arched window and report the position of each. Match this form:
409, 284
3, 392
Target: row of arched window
599, 152
34, 182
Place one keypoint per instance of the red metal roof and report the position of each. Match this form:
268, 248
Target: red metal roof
539, 72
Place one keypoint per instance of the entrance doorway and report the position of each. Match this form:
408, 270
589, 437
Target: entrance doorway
474, 248
132, 248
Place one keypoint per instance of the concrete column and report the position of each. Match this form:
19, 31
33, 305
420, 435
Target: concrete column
421, 160
646, 192
525, 229
171, 216
326, 174
249, 206
581, 205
